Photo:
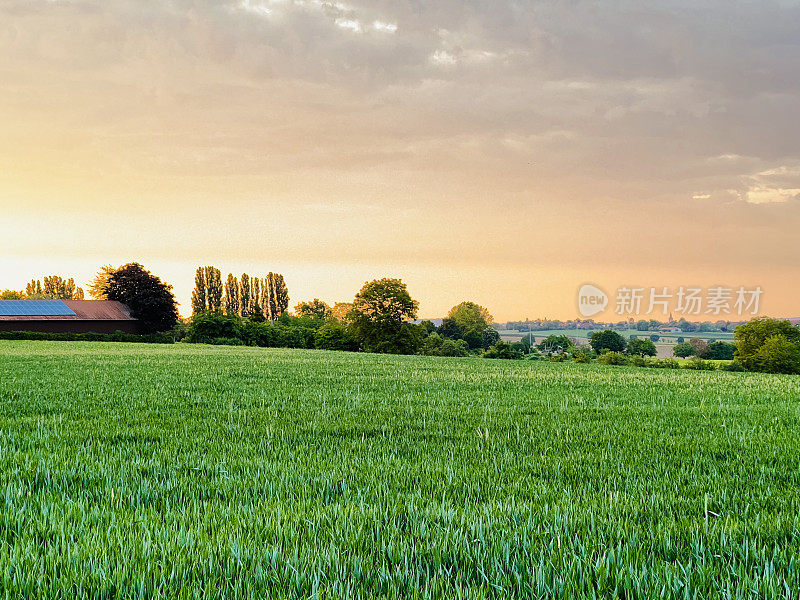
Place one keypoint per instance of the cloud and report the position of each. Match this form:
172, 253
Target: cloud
764, 195
387, 27
437, 108
778, 184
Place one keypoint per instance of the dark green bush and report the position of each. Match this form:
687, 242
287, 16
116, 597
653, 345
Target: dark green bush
612, 358
208, 326
334, 335
698, 364
583, 355
734, 367
635, 360
664, 363
436, 345
118, 336
502, 350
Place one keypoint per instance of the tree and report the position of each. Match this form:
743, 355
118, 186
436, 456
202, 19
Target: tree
214, 288
11, 295
232, 306
642, 325
98, 285
436, 345
379, 318
489, 337
207, 294
720, 351
642, 347
207, 326
55, 288
316, 309
474, 339
469, 315
276, 296
682, 350
34, 290
502, 350
778, 355
654, 337
699, 346
768, 345
340, 310
270, 297
149, 299
450, 329
281, 294
255, 310
428, 326
526, 343
555, 344
244, 294
199, 301
334, 335
469, 321
607, 340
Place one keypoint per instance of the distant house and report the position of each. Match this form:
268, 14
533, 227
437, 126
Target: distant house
66, 316
670, 329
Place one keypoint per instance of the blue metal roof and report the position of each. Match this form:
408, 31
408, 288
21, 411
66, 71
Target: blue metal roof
34, 308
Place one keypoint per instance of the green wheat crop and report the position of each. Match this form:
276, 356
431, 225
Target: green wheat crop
133, 471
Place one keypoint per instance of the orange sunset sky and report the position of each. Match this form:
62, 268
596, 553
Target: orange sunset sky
502, 152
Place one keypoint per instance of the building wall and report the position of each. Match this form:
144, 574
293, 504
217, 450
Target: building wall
70, 326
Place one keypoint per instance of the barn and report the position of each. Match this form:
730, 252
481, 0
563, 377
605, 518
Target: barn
66, 316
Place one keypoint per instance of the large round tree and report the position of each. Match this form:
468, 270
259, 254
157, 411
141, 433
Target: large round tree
607, 340
379, 319
149, 299
471, 322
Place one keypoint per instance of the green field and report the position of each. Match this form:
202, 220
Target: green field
222, 472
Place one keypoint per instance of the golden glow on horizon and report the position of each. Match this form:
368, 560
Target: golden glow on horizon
276, 138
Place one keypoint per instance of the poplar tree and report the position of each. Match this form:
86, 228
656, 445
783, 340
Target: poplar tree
270, 304
255, 310
281, 294
199, 292
244, 294
232, 306
213, 289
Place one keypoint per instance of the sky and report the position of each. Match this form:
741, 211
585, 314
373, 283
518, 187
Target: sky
504, 152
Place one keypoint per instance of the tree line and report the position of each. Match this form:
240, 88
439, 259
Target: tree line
245, 296
52, 287
381, 318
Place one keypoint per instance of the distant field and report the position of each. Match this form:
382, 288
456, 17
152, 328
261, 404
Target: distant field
583, 333
220, 472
